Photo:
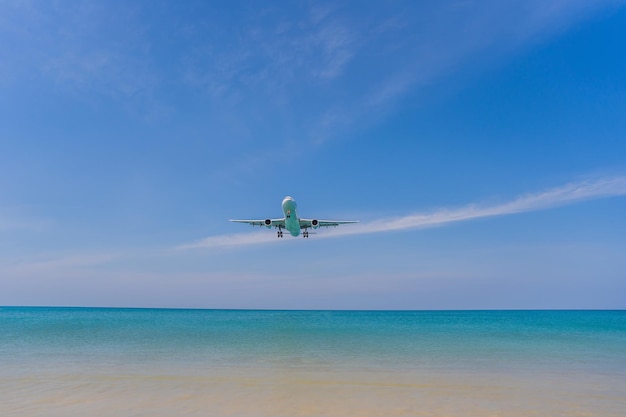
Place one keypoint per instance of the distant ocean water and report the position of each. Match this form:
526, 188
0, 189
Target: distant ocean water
136, 362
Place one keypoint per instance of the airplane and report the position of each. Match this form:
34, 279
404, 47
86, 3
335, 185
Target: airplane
291, 222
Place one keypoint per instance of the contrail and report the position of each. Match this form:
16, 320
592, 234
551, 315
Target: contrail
568, 194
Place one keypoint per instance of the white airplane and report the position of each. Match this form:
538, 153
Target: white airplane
291, 222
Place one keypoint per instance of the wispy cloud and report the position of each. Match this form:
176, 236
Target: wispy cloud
353, 62
568, 194
451, 36
13, 218
276, 52
60, 262
237, 239
86, 49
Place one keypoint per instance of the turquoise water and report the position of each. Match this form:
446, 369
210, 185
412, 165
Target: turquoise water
578, 356
584, 340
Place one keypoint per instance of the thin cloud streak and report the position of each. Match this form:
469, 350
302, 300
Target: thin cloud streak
237, 239
61, 263
568, 194
11, 220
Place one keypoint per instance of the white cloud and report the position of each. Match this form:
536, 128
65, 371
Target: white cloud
568, 194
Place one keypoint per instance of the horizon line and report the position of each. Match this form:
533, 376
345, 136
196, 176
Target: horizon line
305, 309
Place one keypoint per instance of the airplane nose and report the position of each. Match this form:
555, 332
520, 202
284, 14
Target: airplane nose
288, 201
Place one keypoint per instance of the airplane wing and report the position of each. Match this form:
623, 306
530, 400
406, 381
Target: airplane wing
265, 222
312, 223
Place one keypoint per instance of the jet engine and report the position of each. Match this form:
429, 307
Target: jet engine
315, 224
268, 223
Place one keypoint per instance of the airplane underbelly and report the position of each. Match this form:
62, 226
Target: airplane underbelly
293, 226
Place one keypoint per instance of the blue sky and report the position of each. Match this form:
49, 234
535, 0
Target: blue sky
481, 144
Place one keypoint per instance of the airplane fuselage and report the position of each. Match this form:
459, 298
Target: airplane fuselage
292, 223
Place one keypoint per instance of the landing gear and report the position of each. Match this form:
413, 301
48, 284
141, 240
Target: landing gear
305, 234
280, 232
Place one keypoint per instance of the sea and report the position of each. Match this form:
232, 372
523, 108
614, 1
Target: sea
244, 363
